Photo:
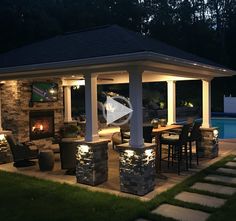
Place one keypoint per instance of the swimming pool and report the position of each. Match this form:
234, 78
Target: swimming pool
227, 127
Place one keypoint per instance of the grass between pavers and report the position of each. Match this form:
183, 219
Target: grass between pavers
26, 198
227, 212
168, 196
223, 174
204, 192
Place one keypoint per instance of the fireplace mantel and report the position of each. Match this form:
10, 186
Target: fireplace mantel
41, 108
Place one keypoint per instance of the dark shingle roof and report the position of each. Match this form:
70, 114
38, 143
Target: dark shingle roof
100, 41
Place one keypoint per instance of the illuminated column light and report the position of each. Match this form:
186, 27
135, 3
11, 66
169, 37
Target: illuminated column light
149, 152
129, 153
215, 133
81, 150
84, 148
2, 137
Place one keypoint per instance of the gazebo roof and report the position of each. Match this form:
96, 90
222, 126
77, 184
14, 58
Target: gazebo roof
91, 43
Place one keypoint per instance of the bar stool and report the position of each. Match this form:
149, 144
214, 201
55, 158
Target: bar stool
176, 142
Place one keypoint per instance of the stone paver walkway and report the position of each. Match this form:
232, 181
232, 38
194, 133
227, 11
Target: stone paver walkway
186, 214
200, 199
231, 164
214, 188
218, 178
227, 170
180, 213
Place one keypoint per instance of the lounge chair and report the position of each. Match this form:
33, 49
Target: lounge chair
22, 154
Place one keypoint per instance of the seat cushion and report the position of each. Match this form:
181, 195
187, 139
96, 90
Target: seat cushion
171, 136
169, 139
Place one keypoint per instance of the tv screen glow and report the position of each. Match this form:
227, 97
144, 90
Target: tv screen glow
44, 92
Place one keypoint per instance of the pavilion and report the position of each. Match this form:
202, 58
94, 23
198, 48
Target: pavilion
110, 55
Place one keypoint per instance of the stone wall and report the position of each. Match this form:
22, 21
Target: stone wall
16, 95
209, 144
5, 152
92, 162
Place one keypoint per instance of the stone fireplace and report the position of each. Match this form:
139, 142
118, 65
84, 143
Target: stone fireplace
41, 124
20, 115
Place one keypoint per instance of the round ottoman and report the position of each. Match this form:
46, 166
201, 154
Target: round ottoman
46, 160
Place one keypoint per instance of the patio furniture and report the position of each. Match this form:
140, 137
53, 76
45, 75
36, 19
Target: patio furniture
124, 135
46, 160
157, 132
194, 136
68, 151
22, 154
118, 138
176, 142
147, 133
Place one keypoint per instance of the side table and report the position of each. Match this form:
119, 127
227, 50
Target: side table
46, 160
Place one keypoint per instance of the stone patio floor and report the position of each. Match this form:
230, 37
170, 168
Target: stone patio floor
112, 185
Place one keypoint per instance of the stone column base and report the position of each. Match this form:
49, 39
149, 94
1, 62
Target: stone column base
137, 169
209, 145
5, 150
92, 162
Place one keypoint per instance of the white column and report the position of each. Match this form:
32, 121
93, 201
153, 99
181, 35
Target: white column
206, 103
0, 108
171, 98
136, 121
91, 108
67, 104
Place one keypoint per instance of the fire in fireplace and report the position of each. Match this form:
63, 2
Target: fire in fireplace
41, 124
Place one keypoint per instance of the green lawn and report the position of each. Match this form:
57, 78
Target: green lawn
26, 198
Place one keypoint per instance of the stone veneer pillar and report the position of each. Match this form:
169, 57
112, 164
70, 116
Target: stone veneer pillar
5, 151
92, 162
209, 144
137, 169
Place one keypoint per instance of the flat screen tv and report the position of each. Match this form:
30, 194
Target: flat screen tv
44, 92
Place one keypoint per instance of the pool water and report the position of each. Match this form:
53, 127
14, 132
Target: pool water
227, 127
